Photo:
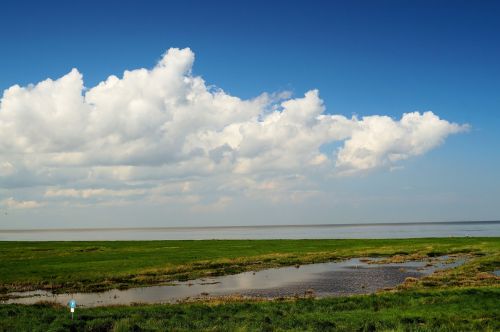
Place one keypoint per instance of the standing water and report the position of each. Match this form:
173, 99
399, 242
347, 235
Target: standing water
353, 276
331, 231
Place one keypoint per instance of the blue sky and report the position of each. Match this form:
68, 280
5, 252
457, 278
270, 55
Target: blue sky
368, 58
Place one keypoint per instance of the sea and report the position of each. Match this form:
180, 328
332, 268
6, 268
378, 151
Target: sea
323, 231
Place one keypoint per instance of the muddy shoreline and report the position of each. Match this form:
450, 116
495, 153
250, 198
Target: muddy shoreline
348, 277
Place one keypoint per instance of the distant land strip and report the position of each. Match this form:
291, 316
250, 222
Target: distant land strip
183, 228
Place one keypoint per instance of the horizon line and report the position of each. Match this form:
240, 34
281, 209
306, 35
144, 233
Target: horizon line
21, 230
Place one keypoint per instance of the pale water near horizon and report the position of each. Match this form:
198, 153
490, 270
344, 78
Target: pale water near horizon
343, 231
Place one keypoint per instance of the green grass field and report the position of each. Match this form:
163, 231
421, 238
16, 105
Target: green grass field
466, 298
100, 265
475, 309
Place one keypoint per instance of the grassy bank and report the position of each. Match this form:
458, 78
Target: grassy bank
466, 298
101, 265
469, 309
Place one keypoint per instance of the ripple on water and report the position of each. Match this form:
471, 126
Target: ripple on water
353, 276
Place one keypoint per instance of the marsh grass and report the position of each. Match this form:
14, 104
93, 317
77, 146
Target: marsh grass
103, 265
477, 271
466, 298
453, 309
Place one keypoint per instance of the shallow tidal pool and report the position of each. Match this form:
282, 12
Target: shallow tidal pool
353, 276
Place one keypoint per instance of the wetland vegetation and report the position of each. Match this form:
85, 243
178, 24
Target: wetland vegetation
465, 298
102, 265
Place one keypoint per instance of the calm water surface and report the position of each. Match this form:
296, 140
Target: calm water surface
352, 276
344, 231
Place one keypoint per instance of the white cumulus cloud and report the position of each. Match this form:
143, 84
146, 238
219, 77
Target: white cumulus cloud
380, 140
162, 128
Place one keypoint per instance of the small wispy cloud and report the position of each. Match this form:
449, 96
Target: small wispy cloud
14, 204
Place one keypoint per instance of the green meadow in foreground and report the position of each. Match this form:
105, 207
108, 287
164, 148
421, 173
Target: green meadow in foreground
101, 265
466, 298
470, 309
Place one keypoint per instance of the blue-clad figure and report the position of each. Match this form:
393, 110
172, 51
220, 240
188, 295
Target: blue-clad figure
72, 306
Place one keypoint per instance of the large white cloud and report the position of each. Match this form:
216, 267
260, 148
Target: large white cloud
159, 128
